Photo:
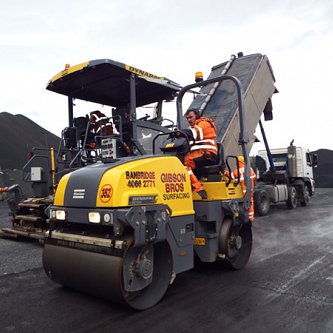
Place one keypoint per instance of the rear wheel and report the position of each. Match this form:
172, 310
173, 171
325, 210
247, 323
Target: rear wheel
235, 243
292, 197
306, 196
261, 203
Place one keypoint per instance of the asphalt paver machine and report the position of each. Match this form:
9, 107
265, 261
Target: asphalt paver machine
112, 87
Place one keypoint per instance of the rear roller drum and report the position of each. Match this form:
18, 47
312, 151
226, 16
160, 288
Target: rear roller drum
139, 279
235, 243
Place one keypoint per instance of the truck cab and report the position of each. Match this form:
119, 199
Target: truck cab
298, 162
284, 175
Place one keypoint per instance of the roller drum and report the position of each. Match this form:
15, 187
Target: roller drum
102, 275
94, 273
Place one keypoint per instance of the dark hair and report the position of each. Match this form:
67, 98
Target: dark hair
195, 111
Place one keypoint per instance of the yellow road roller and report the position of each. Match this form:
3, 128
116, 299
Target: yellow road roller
123, 227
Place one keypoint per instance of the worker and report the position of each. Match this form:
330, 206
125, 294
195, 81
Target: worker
234, 175
100, 124
203, 149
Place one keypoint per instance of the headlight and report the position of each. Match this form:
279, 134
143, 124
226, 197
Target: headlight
94, 217
60, 215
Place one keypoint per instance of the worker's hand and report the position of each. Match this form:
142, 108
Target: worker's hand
175, 134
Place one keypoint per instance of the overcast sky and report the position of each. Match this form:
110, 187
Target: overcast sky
173, 38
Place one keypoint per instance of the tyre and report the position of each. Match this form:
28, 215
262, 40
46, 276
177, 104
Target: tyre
235, 242
261, 203
305, 201
292, 198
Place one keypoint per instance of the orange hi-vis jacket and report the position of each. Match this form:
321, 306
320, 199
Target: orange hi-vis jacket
204, 135
234, 175
241, 176
100, 123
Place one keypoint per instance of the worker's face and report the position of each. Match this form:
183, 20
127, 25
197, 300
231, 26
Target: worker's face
191, 118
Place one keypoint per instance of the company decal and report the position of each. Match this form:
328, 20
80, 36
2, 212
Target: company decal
140, 72
140, 179
79, 193
174, 185
142, 199
105, 194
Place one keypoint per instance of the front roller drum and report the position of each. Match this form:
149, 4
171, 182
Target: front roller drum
139, 279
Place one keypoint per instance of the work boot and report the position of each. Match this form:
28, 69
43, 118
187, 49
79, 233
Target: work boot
203, 194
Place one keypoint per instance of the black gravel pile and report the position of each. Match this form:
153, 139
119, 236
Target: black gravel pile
18, 135
323, 173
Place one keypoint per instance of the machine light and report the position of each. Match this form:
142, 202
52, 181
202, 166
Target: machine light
94, 217
198, 77
67, 66
60, 215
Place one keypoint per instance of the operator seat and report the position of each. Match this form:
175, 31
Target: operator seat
81, 125
213, 171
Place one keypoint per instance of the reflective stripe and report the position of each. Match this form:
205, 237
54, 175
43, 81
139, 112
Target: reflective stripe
241, 171
102, 126
199, 129
194, 133
97, 118
197, 147
206, 140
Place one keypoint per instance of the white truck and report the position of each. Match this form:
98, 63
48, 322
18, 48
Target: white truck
284, 175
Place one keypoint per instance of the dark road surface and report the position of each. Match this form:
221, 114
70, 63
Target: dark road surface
287, 286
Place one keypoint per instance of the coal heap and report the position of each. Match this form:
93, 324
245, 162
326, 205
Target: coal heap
18, 136
323, 173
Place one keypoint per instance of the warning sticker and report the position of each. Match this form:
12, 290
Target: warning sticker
200, 241
105, 193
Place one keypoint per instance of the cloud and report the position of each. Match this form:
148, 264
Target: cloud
173, 39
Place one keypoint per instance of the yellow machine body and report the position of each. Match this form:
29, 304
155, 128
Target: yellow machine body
154, 180
144, 181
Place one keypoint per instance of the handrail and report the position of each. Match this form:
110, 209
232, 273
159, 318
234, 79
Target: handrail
243, 135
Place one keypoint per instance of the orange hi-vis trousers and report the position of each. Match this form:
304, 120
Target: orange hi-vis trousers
195, 159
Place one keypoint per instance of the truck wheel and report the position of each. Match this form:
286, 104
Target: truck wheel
292, 198
261, 203
235, 242
305, 201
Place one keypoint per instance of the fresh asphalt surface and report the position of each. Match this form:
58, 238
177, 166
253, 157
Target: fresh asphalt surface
287, 286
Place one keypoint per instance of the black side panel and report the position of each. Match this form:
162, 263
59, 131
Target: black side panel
81, 190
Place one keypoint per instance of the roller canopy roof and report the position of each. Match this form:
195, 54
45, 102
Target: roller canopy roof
107, 82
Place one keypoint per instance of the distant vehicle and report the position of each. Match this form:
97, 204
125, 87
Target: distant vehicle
284, 175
